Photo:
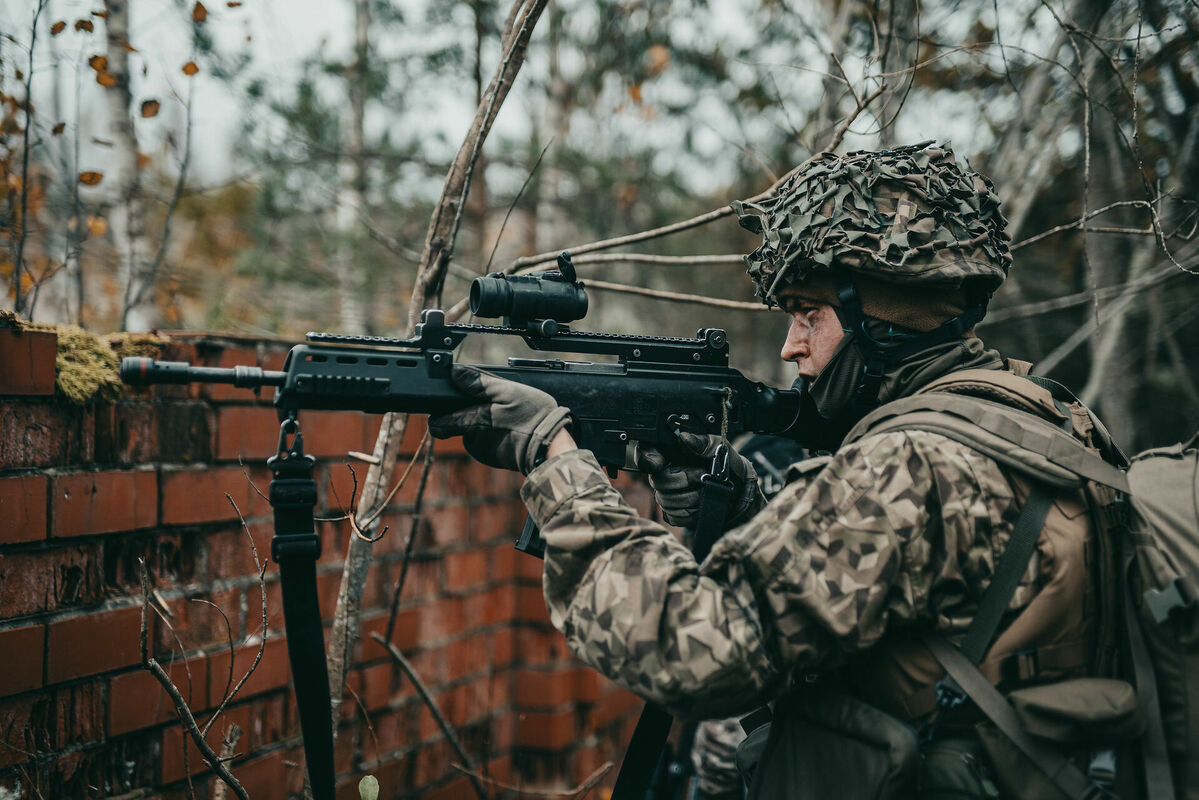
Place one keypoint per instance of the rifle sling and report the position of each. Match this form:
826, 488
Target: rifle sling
295, 548
1064, 775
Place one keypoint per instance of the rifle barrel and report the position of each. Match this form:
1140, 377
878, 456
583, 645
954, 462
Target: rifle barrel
146, 371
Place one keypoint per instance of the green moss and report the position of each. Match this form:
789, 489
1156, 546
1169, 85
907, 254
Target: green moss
88, 368
144, 345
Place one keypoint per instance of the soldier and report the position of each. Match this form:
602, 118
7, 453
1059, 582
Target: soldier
884, 262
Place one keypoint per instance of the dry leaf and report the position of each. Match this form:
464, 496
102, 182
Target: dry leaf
58, 27
59, 128
84, 25
233, 3
190, 68
106, 79
199, 12
101, 14
129, 48
90, 178
635, 92
102, 142
149, 108
97, 226
143, 161
98, 63
659, 58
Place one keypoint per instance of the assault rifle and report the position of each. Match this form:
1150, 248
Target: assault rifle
656, 387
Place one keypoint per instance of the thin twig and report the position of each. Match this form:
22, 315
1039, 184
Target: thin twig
25, 148
512, 205
230, 694
181, 708
232, 737
442, 722
411, 543
577, 793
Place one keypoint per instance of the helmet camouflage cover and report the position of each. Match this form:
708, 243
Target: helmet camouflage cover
909, 215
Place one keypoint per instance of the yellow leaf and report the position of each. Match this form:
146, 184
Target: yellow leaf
59, 128
149, 108
84, 25
129, 48
101, 14
98, 63
90, 178
190, 68
199, 12
58, 27
97, 226
233, 3
659, 58
635, 92
106, 79
143, 161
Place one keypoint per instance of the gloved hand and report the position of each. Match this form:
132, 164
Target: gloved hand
509, 427
677, 485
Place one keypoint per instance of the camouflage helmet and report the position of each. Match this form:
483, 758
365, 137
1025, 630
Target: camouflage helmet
909, 215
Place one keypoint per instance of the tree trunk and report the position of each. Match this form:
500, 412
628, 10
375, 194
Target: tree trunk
353, 304
127, 221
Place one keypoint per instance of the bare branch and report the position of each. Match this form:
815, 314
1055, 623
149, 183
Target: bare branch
185, 715
19, 260
444, 724
576, 793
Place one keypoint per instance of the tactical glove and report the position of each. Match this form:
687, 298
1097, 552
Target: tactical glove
677, 485
511, 425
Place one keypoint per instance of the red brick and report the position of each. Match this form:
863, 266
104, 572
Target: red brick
230, 554
466, 570
614, 705
93, 643
407, 635
23, 648
535, 646
43, 434
24, 729
587, 685
502, 521
442, 619
331, 435
467, 657
273, 671
432, 762
546, 730
503, 648
137, 700
270, 775
191, 496
248, 433
530, 605
445, 526
456, 789
28, 357
541, 689
23, 500
77, 715
103, 502
173, 738
195, 623
50, 580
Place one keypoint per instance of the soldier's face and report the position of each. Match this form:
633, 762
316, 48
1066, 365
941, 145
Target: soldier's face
814, 333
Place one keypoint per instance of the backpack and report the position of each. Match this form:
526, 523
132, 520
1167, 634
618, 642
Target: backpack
1146, 518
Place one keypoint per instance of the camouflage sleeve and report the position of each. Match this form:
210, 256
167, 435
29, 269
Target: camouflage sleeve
816, 575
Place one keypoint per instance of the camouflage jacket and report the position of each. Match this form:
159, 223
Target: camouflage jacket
894, 529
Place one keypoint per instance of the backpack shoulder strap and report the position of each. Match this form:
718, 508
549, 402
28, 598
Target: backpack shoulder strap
1017, 424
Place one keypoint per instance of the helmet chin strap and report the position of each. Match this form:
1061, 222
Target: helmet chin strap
882, 353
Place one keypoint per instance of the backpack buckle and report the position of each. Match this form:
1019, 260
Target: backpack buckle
1020, 666
1161, 603
949, 694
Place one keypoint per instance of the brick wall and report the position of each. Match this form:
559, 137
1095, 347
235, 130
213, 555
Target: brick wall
87, 494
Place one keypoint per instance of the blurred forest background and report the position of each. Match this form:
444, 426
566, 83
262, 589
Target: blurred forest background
267, 167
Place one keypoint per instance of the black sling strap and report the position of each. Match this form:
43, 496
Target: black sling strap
295, 548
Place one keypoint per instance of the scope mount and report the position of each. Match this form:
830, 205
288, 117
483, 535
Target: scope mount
433, 334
